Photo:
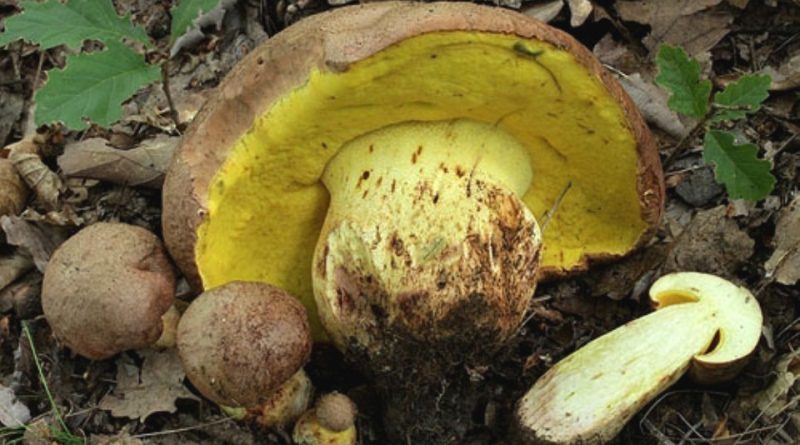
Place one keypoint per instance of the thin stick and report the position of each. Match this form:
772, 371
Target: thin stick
173, 112
549, 215
181, 430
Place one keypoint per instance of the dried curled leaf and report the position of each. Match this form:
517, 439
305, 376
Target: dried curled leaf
144, 165
152, 389
38, 240
13, 266
784, 264
13, 191
45, 183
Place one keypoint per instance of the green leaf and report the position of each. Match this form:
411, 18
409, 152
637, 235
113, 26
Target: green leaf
681, 76
741, 97
51, 23
738, 167
93, 86
184, 13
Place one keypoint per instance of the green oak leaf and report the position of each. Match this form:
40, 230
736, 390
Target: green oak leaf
741, 97
681, 76
738, 167
93, 86
185, 12
51, 23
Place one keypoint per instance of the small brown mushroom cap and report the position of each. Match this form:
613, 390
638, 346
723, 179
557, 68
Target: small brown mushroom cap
106, 288
241, 341
336, 411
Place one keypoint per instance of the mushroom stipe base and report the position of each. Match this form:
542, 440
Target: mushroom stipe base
266, 204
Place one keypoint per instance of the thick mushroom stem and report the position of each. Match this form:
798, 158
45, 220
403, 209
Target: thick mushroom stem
425, 234
426, 246
706, 323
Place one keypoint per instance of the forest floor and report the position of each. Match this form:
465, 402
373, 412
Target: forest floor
127, 400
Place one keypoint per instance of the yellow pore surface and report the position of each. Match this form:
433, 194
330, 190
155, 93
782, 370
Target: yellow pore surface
267, 204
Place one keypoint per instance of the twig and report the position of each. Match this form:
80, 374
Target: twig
549, 215
38, 70
173, 112
684, 142
181, 430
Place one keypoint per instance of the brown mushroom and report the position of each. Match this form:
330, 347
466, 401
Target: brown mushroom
106, 288
240, 342
332, 421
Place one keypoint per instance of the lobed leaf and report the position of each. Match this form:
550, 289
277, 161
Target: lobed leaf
681, 76
51, 23
738, 167
185, 12
742, 97
93, 86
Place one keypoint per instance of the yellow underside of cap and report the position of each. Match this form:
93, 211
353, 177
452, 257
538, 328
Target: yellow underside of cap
267, 204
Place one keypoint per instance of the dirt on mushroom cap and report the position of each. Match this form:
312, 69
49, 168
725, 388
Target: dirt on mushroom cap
106, 288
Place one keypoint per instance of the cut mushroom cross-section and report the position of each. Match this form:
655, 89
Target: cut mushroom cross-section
386, 163
703, 322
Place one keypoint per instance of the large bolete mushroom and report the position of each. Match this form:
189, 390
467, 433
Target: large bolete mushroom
703, 324
388, 163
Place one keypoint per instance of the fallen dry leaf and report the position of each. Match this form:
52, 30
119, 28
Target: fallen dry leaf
13, 266
144, 165
152, 389
38, 240
686, 23
189, 104
13, 413
579, 11
784, 264
712, 243
618, 55
779, 396
43, 181
652, 102
13, 191
741, 4
786, 76
544, 12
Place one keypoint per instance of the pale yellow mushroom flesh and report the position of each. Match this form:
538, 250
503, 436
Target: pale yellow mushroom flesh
702, 322
426, 221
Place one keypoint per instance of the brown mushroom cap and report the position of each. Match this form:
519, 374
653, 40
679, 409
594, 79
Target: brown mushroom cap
241, 341
106, 288
285, 110
336, 411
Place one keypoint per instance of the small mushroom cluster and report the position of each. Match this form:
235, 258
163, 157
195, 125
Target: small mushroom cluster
409, 172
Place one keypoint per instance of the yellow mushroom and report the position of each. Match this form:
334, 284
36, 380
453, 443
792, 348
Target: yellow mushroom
703, 323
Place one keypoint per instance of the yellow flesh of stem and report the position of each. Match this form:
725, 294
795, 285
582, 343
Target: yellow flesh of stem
267, 204
589, 396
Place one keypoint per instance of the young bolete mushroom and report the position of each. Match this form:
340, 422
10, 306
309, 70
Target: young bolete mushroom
332, 421
106, 289
240, 342
387, 163
703, 324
